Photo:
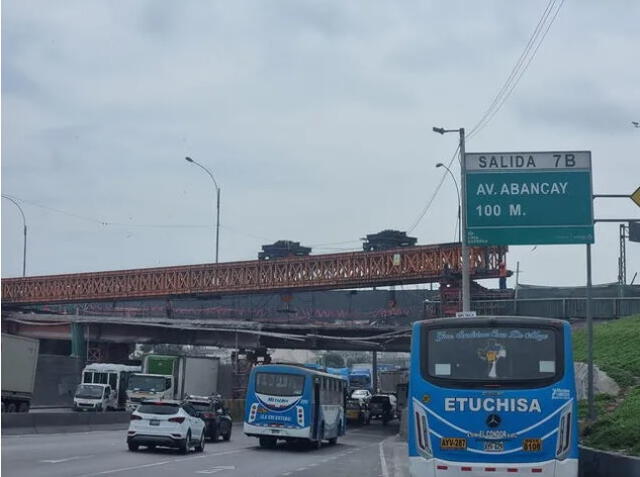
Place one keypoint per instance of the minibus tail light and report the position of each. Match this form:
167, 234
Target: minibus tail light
564, 433
421, 425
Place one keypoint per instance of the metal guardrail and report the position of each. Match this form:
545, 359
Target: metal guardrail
602, 308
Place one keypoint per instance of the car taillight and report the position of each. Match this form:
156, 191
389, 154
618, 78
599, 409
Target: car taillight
135, 417
179, 420
207, 415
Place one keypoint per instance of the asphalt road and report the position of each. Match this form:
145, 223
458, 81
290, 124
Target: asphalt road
365, 451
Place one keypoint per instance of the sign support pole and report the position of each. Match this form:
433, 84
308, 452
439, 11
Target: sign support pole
592, 414
466, 285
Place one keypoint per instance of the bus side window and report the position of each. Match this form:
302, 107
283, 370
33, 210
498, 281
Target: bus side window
113, 380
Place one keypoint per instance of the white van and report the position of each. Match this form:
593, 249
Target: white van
95, 397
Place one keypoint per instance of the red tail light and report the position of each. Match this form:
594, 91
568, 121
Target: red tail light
135, 417
179, 420
207, 415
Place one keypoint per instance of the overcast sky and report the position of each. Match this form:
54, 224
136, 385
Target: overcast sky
314, 116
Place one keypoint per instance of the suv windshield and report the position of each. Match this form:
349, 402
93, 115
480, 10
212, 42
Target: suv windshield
159, 408
89, 391
379, 399
490, 355
279, 384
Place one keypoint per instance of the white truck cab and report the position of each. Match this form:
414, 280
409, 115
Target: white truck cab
148, 386
95, 397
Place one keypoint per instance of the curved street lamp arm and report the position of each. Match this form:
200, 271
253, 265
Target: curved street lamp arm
24, 221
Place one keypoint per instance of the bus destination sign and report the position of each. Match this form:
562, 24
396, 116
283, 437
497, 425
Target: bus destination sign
529, 198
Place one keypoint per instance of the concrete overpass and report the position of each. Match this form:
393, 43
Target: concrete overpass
207, 332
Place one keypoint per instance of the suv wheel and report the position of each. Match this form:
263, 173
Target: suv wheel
200, 444
132, 447
227, 435
186, 444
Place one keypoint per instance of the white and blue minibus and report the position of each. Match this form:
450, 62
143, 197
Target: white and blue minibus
492, 396
295, 404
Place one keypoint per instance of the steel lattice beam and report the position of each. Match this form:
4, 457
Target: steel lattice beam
421, 264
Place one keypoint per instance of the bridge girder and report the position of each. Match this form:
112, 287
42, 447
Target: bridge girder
420, 264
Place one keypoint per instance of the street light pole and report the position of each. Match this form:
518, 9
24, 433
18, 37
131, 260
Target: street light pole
188, 159
466, 282
455, 182
24, 228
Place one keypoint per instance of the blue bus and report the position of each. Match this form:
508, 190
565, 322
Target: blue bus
295, 404
492, 395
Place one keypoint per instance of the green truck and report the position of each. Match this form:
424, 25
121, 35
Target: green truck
173, 377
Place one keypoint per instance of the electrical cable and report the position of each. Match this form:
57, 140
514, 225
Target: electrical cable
518, 69
435, 193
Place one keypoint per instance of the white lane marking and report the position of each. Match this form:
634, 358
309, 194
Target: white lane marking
215, 470
287, 473
154, 464
67, 459
383, 461
301, 469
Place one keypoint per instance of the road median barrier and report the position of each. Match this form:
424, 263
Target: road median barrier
53, 422
599, 463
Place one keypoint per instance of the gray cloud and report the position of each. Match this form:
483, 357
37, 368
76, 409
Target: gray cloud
314, 116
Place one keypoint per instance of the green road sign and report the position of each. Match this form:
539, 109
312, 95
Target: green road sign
521, 198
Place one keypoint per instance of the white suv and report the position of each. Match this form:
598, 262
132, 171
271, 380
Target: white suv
167, 424
362, 395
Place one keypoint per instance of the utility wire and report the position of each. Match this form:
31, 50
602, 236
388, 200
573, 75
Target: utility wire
535, 41
435, 193
514, 69
523, 71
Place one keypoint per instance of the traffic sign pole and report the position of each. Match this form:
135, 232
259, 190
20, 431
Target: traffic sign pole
466, 285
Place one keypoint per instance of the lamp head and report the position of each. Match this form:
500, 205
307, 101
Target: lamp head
439, 164
438, 130
188, 159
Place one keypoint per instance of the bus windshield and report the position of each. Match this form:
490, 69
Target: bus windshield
279, 384
491, 355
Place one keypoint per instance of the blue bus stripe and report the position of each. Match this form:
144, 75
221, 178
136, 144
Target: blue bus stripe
438, 417
546, 418
533, 426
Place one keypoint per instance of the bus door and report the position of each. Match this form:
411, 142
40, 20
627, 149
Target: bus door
315, 430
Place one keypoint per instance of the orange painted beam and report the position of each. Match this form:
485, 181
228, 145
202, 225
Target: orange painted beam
419, 264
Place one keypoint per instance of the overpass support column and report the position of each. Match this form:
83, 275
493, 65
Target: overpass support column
78, 342
374, 373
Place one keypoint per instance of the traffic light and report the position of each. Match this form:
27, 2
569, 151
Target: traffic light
634, 231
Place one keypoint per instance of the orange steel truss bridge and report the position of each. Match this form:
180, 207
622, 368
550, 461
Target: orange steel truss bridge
419, 264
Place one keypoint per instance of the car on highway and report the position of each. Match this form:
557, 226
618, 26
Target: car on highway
362, 395
217, 420
357, 411
166, 423
383, 406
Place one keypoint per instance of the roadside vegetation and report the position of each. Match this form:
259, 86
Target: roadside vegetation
616, 352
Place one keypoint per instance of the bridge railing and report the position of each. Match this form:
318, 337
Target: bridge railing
420, 264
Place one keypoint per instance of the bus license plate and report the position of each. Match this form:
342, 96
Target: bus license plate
451, 443
532, 445
494, 446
